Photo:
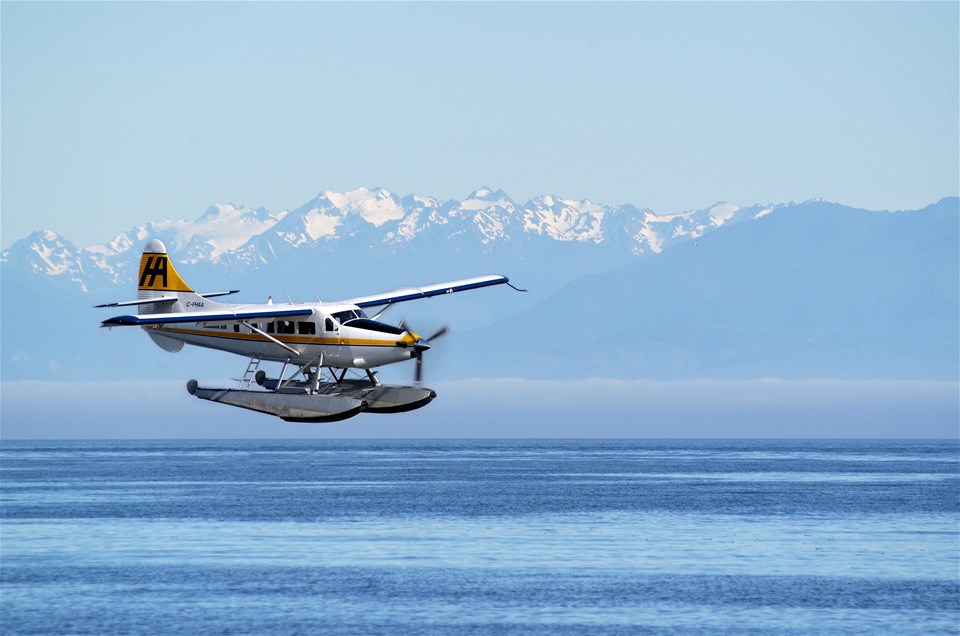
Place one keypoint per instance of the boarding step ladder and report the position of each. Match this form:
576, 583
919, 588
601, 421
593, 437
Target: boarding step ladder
250, 373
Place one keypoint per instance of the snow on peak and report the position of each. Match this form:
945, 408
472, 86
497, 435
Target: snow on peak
484, 198
318, 223
222, 228
377, 206
480, 193
484, 193
564, 219
721, 213
50, 254
423, 202
230, 213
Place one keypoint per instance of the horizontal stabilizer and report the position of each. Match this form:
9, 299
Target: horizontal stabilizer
141, 301
220, 293
162, 299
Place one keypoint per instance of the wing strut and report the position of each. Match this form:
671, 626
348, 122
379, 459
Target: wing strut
270, 338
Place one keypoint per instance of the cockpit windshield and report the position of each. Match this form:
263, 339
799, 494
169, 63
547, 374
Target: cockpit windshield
351, 314
357, 319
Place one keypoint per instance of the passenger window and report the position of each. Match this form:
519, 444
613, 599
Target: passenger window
269, 327
328, 324
306, 328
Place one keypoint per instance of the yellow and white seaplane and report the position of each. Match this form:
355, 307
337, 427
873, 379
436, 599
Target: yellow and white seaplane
311, 338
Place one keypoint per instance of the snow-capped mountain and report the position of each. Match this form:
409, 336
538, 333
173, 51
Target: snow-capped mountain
222, 228
47, 254
378, 222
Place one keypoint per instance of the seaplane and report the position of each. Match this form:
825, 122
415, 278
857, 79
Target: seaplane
319, 342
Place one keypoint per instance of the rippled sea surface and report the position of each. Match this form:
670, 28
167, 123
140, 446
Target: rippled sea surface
480, 537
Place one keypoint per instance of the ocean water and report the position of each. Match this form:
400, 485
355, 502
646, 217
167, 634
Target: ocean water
480, 537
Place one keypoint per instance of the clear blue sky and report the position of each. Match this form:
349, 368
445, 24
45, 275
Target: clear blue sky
114, 114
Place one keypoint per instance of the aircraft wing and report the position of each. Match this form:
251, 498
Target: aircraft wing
414, 293
221, 316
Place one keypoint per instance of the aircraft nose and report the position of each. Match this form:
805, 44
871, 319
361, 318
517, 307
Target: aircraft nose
420, 345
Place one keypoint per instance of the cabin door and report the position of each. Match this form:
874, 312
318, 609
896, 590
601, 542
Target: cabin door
333, 350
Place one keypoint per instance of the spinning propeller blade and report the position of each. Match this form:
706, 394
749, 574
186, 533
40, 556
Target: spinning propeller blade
442, 331
421, 345
418, 374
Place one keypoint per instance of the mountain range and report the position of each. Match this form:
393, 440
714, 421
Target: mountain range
373, 223
813, 289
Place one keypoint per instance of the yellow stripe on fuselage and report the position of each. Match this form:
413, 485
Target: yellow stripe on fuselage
288, 339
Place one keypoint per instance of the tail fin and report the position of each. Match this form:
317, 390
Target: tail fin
157, 273
159, 279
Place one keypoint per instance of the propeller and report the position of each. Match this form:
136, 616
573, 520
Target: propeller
423, 344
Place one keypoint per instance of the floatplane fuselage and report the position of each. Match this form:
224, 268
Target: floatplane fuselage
307, 337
